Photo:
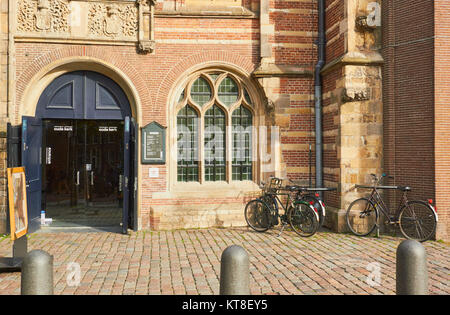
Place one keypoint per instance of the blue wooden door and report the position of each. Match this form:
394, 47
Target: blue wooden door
31, 160
126, 175
133, 191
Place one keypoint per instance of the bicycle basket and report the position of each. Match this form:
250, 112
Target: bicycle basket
273, 186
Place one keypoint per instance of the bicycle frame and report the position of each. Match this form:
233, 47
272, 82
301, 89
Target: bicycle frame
380, 205
277, 200
273, 191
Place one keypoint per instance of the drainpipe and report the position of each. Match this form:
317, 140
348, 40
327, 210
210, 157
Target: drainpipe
318, 92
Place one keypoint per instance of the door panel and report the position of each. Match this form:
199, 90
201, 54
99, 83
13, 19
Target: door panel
31, 160
83, 95
133, 187
103, 169
126, 174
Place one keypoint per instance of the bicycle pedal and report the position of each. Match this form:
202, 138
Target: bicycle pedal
282, 229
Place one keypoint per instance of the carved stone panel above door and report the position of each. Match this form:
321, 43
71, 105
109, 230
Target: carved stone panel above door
112, 22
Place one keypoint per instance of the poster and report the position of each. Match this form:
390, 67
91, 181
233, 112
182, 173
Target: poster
17, 195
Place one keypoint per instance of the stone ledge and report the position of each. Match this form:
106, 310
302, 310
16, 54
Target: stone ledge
187, 216
209, 11
274, 70
354, 58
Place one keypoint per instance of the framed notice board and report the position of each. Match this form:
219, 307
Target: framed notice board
17, 194
153, 144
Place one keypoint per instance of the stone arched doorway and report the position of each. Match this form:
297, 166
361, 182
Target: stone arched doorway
78, 153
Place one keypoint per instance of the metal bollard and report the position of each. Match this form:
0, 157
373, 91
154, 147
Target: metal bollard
37, 274
234, 271
412, 273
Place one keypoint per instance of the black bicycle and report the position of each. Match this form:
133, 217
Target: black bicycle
417, 219
311, 195
263, 213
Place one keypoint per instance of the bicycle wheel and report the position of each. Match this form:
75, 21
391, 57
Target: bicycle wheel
257, 215
303, 219
417, 221
271, 202
361, 217
317, 205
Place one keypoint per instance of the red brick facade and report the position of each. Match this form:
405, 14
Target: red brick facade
271, 45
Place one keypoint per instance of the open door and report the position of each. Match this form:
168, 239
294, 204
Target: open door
32, 160
126, 175
133, 215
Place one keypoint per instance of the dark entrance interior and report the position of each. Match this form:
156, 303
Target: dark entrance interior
82, 172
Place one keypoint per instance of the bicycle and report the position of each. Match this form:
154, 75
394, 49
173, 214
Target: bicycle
311, 196
263, 213
417, 219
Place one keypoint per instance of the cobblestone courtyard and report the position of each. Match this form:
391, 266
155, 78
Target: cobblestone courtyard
188, 262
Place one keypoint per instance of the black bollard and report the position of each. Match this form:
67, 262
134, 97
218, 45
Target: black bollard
37, 274
234, 271
412, 273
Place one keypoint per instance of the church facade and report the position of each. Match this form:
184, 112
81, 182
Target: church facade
164, 114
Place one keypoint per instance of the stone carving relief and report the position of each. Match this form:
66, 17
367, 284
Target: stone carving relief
113, 20
43, 15
355, 94
117, 22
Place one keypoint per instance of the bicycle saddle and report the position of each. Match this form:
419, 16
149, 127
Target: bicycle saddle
404, 188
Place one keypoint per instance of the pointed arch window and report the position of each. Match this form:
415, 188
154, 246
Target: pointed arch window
215, 111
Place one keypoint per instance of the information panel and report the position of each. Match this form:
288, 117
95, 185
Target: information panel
153, 144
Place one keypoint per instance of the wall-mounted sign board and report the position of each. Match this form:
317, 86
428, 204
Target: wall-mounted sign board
153, 139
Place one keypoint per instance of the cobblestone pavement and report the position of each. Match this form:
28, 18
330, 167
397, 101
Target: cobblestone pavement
188, 262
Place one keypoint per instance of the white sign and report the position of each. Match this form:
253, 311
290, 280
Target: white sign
153, 172
374, 17
62, 128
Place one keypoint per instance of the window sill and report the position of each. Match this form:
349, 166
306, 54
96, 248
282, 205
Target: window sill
233, 189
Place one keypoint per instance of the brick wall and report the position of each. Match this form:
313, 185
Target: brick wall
412, 100
293, 29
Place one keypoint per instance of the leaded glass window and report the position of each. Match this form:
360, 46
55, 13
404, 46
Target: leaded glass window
214, 105
228, 91
242, 144
215, 166
201, 91
187, 145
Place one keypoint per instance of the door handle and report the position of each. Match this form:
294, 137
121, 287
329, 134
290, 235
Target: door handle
78, 178
92, 178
